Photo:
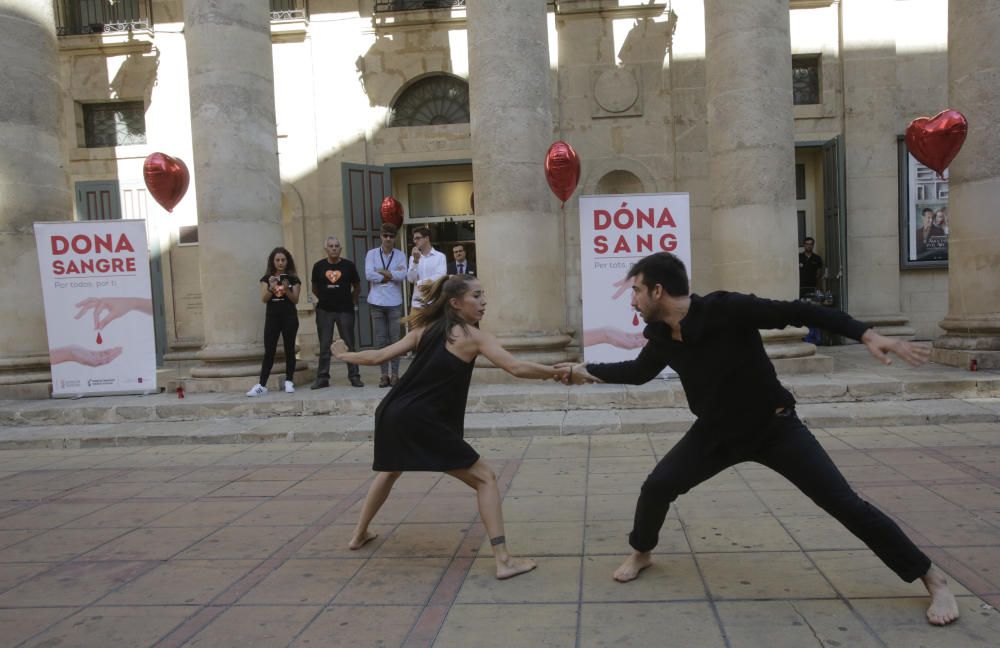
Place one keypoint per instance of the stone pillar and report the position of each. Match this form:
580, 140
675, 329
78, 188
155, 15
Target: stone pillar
518, 232
231, 81
973, 322
871, 124
751, 137
33, 184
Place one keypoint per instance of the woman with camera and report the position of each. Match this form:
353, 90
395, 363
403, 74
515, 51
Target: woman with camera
279, 289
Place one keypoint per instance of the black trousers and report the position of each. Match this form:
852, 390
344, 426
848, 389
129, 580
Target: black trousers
785, 445
283, 323
325, 321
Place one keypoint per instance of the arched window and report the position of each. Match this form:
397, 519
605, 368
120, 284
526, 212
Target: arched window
433, 100
620, 182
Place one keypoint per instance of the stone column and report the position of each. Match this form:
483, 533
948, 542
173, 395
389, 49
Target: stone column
231, 81
33, 184
973, 322
871, 124
751, 137
518, 231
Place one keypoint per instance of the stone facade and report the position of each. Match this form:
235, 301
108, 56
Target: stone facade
629, 88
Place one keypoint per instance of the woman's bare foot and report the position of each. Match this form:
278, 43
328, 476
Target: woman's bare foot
943, 609
514, 566
359, 541
634, 564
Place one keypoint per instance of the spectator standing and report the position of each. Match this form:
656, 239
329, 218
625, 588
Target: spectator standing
337, 286
385, 270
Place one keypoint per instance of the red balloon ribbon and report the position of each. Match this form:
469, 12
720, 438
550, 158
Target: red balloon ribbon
562, 170
392, 211
935, 141
166, 178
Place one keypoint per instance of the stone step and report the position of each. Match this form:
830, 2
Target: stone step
522, 397
358, 427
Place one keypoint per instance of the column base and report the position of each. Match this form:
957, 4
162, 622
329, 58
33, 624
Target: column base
27, 369
239, 383
967, 341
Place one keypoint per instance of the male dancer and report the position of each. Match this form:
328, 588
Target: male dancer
744, 414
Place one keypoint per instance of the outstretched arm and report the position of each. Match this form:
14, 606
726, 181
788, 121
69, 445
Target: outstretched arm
376, 357
490, 347
880, 346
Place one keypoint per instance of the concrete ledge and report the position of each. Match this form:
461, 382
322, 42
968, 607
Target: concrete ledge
343, 427
524, 397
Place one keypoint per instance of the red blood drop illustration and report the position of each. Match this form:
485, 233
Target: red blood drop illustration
635, 319
100, 340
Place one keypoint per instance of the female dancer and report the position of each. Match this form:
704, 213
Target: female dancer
420, 423
279, 289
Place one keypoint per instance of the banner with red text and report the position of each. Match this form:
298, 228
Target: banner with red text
98, 306
615, 232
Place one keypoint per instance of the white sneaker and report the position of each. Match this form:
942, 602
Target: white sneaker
289, 387
257, 390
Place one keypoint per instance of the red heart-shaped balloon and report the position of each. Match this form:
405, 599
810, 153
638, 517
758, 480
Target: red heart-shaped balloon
166, 178
935, 141
562, 170
392, 211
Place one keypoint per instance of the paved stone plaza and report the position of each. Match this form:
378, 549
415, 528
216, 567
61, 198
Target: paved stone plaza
245, 545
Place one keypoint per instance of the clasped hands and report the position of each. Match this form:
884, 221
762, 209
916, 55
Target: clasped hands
339, 348
574, 373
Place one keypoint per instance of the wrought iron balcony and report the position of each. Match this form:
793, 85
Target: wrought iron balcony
102, 16
414, 5
289, 10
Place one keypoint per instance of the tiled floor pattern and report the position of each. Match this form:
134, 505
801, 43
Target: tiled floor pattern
245, 545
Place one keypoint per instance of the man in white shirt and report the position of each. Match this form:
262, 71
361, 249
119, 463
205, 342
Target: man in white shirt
385, 270
426, 264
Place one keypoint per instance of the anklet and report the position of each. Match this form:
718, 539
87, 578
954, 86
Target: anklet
499, 540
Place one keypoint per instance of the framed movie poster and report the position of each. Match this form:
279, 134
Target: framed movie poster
923, 214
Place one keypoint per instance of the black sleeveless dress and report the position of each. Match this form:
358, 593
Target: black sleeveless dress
420, 423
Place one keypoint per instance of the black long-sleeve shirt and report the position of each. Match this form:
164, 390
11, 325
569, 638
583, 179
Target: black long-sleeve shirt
729, 381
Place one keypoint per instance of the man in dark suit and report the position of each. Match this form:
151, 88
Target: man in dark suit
461, 265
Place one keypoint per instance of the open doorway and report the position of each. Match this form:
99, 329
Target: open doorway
819, 200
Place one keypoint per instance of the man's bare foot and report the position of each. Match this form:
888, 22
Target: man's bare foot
358, 542
943, 609
514, 566
634, 564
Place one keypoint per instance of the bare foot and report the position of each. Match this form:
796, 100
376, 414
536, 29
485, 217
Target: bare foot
943, 609
357, 543
634, 564
514, 566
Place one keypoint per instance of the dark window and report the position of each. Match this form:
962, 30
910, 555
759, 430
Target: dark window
800, 182
102, 16
187, 235
410, 5
289, 10
114, 124
801, 214
440, 99
805, 79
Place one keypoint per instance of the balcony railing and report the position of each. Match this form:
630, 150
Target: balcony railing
289, 10
414, 5
102, 16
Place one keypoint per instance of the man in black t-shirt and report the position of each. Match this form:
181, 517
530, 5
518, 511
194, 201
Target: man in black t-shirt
810, 268
337, 285
744, 413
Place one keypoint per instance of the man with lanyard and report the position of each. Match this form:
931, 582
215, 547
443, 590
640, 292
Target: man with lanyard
744, 413
426, 264
385, 270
